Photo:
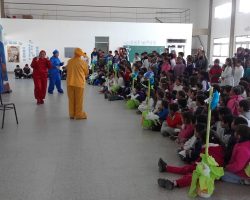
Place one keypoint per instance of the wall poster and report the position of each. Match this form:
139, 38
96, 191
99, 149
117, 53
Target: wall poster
13, 54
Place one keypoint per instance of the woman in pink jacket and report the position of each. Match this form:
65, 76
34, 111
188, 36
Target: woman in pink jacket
235, 171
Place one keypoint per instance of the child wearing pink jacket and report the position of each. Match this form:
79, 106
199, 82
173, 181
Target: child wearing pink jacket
187, 129
235, 171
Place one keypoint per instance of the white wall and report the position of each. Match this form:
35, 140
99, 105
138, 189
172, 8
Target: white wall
187, 4
51, 34
201, 22
221, 27
242, 25
198, 11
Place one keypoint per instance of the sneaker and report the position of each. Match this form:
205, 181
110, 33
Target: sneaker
162, 165
165, 183
165, 134
50, 92
38, 102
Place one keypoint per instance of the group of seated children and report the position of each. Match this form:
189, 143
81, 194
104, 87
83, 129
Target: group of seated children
179, 102
25, 73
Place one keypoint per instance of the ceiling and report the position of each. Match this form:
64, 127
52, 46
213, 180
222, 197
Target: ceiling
90, 10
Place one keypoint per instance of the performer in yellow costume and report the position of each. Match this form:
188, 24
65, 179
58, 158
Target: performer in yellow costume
77, 70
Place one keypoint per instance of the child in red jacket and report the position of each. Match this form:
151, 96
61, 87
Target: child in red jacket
172, 122
235, 171
215, 150
215, 72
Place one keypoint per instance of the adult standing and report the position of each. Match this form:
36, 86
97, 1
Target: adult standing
4, 84
77, 70
54, 73
3, 70
40, 66
201, 62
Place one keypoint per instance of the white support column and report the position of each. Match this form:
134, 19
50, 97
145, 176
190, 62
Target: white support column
210, 19
232, 29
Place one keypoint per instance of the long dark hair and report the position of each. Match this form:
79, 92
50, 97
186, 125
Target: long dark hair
244, 132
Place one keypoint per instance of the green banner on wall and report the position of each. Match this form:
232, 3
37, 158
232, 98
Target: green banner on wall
140, 49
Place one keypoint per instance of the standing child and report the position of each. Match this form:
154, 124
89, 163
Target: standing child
215, 72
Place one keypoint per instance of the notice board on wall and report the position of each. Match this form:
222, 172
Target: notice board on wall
140, 49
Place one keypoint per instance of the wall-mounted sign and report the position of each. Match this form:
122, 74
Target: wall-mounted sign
13, 54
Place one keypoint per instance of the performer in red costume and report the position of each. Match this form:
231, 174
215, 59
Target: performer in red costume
40, 66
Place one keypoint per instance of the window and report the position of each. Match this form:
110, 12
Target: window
244, 6
102, 43
221, 49
223, 11
242, 41
69, 52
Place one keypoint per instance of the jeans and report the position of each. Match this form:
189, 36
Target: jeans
232, 178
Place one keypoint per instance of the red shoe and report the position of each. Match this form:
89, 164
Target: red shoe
38, 102
42, 101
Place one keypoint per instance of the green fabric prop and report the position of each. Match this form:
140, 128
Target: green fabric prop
247, 170
115, 88
145, 122
207, 171
132, 104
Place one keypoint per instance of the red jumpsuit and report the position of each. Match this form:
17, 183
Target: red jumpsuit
40, 76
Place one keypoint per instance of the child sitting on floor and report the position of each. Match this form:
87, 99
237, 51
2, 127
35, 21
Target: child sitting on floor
182, 100
18, 72
172, 122
215, 150
188, 151
162, 113
191, 102
178, 85
187, 129
27, 72
159, 98
237, 171
232, 139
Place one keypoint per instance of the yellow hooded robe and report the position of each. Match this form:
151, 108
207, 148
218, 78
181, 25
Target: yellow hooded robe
77, 70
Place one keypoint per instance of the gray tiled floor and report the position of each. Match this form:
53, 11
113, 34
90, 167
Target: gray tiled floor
108, 156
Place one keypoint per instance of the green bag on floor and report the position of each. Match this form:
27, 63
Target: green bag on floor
132, 104
115, 88
145, 122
